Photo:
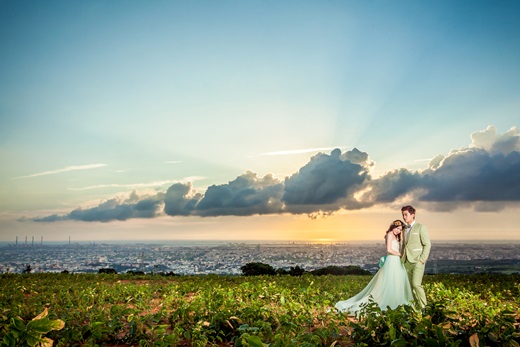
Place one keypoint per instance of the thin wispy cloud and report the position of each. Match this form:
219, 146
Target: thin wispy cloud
139, 185
297, 151
65, 169
172, 162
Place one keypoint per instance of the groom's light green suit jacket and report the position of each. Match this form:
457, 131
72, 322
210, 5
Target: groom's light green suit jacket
417, 247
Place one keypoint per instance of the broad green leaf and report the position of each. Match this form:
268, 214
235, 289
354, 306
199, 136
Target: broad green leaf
254, 341
18, 324
9, 340
57, 324
32, 340
40, 326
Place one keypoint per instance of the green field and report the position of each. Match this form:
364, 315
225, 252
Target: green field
124, 310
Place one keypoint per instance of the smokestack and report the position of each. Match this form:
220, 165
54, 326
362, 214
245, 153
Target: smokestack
17, 240
42, 241
32, 244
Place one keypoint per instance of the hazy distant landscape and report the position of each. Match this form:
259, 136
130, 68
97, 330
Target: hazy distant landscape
226, 258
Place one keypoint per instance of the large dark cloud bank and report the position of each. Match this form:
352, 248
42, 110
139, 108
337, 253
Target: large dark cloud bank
485, 175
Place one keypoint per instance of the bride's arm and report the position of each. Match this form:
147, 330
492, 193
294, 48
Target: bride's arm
388, 240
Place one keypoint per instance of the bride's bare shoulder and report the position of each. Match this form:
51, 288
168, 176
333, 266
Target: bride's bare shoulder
389, 236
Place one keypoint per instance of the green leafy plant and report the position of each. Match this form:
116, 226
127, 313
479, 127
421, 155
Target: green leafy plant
31, 334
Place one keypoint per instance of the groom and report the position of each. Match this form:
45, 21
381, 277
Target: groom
415, 253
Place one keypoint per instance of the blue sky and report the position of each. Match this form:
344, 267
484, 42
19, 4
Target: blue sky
219, 119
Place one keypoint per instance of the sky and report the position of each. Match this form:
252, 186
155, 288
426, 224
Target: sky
258, 120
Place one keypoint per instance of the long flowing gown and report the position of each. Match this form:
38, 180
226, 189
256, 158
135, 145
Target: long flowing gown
390, 287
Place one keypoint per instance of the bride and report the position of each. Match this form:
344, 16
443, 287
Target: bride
390, 286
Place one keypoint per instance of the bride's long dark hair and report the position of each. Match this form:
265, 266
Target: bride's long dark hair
395, 224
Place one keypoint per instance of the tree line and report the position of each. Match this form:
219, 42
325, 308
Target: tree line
256, 269
259, 269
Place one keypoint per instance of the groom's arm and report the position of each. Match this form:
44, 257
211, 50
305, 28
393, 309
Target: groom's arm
425, 242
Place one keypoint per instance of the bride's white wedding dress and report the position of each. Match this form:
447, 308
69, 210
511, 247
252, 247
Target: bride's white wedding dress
390, 287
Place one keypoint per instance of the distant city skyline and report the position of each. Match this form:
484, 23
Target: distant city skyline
227, 258
298, 121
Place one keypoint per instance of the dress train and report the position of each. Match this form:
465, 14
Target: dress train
390, 287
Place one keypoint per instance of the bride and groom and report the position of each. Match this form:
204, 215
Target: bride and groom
399, 280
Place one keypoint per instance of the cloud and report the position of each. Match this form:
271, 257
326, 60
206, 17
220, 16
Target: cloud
391, 186
436, 161
246, 195
491, 141
114, 209
355, 156
487, 171
65, 169
298, 151
138, 185
485, 175
326, 182
474, 175
180, 200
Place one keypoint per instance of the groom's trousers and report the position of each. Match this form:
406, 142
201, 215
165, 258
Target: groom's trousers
415, 273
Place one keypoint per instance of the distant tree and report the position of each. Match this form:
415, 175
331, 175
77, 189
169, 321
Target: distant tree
136, 273
27, 269
340, 270
296, 271
281, 271
65, 272
107, 271
256, 269
171, 273
293, 271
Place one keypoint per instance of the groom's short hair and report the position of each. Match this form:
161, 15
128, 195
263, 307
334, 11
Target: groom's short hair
408, 208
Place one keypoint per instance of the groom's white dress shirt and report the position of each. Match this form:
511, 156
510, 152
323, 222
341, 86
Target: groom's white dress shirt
407, 232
